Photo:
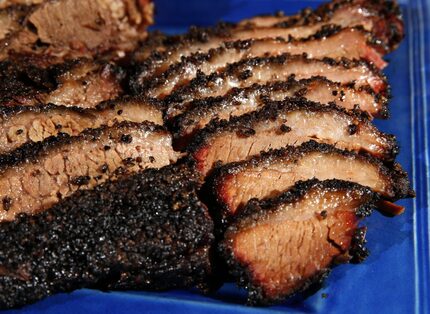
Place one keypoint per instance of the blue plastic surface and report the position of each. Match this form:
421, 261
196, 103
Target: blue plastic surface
395, 278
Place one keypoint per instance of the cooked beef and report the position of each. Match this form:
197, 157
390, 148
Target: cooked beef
290, 122
333, 42
270, 173
381, 17
81, 83
10, 19
185, 121
77, 28
38, 175
145, 231
281, 246
21, 124
15, 3
279, 68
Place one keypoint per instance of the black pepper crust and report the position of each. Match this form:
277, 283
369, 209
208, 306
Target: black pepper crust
33, 151
146, 231
272, 110
256, 209
20, 80
236, 69
397, 179
194, 110
143, 84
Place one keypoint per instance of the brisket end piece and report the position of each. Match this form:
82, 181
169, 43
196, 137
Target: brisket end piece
281, 246
146, 231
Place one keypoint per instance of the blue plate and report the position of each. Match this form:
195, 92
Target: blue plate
395, 278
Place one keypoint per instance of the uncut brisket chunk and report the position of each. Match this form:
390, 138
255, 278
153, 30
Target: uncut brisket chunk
276, 68
145, 231
290, 122
380, 18
81, 83
185, 119
38, 175
21, 124
283, 245
272, 172
332, 42
76, 28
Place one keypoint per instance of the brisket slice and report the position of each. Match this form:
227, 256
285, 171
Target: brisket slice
280, 246
185, 119
81, 83
332, 42
381, 17
78, 28
272, 172
290, 122
145, 231
21, 124
38, 175
277, 68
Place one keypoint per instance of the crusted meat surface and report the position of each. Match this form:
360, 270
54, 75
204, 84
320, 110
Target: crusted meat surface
381, 18
278, 68
38, 175
281, 246
81, 83
332, 42
21, 124
290, 122
76, 28
185, 119
272, 172
145, 231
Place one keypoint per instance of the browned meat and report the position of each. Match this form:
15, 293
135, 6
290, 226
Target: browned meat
20, 124
13, 3
10, 19
38, 175
283, 245
351, 43
270, 173
145, 231
77, 28
289, 122
185, 121
279, 68
81, 83
381, 17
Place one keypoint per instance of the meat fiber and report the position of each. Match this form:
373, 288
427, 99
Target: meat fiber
81, 83
22, 124
332, 42
38, 175
185, 119
280, 246
290, 122
77, 28
146, 231
279, 68
272, 172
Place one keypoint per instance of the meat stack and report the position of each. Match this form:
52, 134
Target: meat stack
242, 151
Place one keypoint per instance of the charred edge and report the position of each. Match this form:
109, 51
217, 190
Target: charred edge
235, 70
398, 177
270, 112
31, 151
256, 295
123, 212
200, 107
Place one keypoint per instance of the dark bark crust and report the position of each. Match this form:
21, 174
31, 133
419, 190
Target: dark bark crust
146, 231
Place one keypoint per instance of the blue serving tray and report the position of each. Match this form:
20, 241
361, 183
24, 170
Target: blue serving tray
396, 277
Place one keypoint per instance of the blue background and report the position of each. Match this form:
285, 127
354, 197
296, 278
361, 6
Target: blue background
395, 278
